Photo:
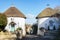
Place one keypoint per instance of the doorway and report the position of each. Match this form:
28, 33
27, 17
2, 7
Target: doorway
12, 24
35, 28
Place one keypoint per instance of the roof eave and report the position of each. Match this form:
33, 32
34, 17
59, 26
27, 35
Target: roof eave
44, 17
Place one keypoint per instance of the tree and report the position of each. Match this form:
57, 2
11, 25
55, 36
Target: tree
3, 21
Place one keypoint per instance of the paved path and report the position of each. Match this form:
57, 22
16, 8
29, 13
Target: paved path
30, 37
48, 36
35, 38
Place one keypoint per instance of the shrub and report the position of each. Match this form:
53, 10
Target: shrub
42, 28
19, 28
3, 21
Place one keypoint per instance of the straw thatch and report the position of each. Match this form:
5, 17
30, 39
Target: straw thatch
14, 12
48, 12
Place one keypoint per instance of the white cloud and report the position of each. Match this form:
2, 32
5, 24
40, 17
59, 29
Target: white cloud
30, 16
30, 19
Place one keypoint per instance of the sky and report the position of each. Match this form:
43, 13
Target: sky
30, 8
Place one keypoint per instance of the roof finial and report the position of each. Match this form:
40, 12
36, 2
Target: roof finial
12, 4
48, 5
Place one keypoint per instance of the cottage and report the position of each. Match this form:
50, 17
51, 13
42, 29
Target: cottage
15, 19
46, 19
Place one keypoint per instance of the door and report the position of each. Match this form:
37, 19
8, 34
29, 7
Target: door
12, 26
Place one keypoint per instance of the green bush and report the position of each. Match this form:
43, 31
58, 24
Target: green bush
19, 28
3, 21
42, 28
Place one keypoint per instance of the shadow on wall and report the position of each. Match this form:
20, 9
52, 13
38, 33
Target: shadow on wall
46, 23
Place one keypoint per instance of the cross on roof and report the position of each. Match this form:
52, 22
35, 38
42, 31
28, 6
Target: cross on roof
48, 5
12, 4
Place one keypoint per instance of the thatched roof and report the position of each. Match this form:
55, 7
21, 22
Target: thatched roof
56, 13
46, 13
14, 12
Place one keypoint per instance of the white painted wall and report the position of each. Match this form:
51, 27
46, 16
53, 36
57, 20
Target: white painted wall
44, 22
20, 22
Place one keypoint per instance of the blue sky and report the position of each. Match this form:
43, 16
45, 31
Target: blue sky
30, 8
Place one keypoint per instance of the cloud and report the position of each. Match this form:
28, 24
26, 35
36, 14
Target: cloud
30, 16
30, 19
